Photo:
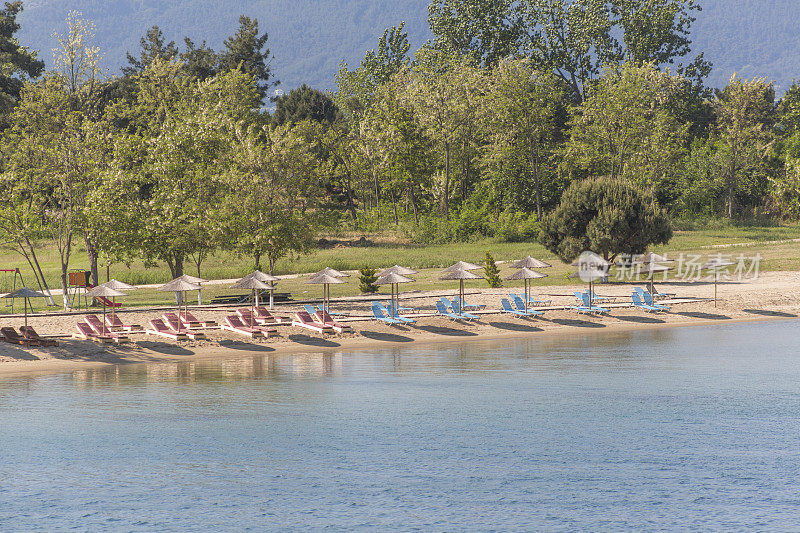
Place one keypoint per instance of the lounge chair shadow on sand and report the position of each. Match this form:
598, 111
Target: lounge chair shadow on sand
521, 327
764, 312
639, 319
384, 336
704, 316
577, 323
166, 348
449, 332
245, 346
308, 340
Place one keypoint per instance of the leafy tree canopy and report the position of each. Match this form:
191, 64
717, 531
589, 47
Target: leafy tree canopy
17, 63
305, 103
606, 216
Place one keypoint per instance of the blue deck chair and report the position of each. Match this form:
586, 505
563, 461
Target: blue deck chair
520, 303
391, 311
593, 308
460, 312
464, 306
508, 309
637, 302
378, 313
648, 299
532, 300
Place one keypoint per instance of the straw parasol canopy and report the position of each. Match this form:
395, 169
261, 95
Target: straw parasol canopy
25, 293
331, 272
461, 275
716, 264
651, 257
530, 263
651, 269
525, 274
117, 285
181, 286
591, 260
325, 280
462, 265
269, 280
254, 284
394, 279
397, 269
105, 292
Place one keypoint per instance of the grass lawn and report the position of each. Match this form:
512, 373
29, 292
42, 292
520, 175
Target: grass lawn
429, 259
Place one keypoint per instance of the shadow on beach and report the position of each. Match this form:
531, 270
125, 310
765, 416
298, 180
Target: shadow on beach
164, 348
521, 327
450, 332
704, 316
641, 319
577, 323
386, 337
313, 341
764, 312
245, 346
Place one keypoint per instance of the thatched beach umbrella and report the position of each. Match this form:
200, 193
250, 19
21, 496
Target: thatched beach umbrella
196, 280
397, 269
651, 269
394, 280
104, 292
25, 293
254, 284
117, 286
651, 257
460, 275
462, 265
325, 280
332, 272
181, 286
525, 274
530, 263
590, 275
716, 264
267, 279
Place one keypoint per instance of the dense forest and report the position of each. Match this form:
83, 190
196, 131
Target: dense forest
585, 124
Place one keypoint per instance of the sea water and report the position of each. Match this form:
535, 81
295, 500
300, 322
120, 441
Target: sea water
668, 429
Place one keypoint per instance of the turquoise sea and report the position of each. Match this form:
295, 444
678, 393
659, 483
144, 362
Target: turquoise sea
660, 430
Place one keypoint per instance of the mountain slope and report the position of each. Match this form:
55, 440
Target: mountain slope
309, 37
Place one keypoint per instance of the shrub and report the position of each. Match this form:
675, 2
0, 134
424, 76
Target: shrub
491, 272
367, 280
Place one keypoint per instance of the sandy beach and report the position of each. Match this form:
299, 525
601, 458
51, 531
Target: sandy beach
773, 296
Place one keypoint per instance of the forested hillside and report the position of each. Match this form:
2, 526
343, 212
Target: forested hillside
310, 37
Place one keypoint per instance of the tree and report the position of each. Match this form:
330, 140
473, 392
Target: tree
366, 280
17, 63
625, 128
520, 109
491, 272
201, 62
488, 30
744, 119
305, 103
606, 216
153, 46
246, 50
443, 91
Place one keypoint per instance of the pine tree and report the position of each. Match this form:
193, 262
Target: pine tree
492, 273
367, 280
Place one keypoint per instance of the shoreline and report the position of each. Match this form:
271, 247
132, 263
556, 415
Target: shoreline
207, 353
773, 296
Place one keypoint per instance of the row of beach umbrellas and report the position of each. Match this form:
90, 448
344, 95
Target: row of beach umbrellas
591, 268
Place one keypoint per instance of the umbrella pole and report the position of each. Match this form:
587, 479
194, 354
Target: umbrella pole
272, 298
253, 310
590, 294
25, 303
716, 276
526, 296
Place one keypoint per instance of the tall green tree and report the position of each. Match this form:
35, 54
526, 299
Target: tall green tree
305, 103
17, 63
745, 117
607, 216
153, 46
246, 50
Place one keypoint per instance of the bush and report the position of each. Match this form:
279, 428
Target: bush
367, 280
491, 272
516, 226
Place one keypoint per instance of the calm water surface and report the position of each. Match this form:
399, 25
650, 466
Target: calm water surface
693, 428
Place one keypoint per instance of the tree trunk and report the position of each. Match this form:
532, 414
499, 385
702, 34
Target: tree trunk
65, 252
413, 199
446, 195
91, 251
257, 260
536, 185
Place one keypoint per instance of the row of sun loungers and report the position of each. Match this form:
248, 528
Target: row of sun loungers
27, 337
